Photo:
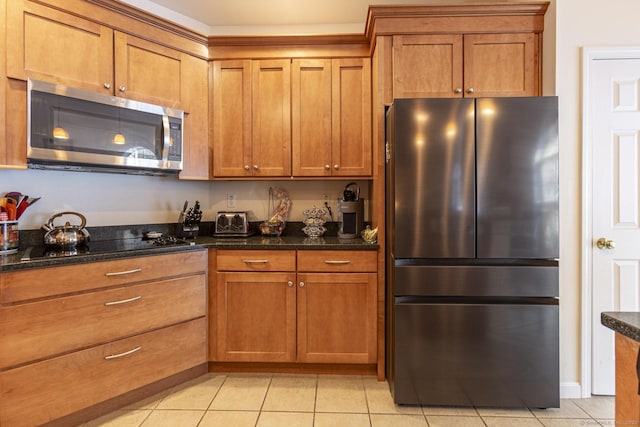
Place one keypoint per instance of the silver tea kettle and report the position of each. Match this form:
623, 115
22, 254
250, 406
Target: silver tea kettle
67, 235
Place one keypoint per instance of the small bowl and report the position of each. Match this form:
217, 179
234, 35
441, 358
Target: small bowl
314, 230
272, 228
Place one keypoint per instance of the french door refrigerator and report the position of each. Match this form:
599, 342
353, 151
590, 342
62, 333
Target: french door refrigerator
472, 244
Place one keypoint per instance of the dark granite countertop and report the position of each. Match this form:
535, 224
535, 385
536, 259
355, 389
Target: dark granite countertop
287, 242
14, 262
626, 323
126, 241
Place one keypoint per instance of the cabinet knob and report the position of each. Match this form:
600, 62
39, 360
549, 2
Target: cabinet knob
255, 167
336, 167
246, 167
122, 89
327, 167
290, 283
107, 85
470, 90
458, 90
302, 284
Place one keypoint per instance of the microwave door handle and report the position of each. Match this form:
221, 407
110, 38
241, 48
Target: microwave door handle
166, 137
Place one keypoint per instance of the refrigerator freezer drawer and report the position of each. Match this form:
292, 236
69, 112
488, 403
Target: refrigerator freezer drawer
485, 281
499, 355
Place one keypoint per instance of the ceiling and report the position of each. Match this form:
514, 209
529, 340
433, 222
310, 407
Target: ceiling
268, 17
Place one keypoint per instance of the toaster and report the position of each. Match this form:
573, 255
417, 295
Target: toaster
232, 224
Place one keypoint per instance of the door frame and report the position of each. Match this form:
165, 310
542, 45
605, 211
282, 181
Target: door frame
589, 55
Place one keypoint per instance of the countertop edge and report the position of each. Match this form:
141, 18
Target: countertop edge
625, 323
13, 263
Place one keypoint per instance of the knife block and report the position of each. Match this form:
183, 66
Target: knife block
187, 232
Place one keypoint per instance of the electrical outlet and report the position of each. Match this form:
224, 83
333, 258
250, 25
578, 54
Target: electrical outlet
231, 200
325, 198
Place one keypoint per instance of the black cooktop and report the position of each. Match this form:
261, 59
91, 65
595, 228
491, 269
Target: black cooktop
106, 246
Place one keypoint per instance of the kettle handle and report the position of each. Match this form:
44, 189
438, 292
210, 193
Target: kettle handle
82, 217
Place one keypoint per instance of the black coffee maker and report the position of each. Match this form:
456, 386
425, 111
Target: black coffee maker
350, 212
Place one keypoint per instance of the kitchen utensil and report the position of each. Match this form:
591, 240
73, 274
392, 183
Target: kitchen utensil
10, 206
18, 201
67, 235
189, 221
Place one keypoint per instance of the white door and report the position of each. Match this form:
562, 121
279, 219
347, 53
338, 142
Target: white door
614, 122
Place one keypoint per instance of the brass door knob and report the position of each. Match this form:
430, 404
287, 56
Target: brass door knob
603, 243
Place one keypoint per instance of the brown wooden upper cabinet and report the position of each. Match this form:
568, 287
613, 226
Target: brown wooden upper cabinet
300, 117
331, 117
52, 45
465, 65
252, 118
48, 44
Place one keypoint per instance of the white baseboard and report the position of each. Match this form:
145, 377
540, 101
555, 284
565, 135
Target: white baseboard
570, 390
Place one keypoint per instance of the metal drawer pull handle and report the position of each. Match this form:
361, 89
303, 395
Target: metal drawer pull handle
126, 353
124, 301
120, 273
346, 261
255, 261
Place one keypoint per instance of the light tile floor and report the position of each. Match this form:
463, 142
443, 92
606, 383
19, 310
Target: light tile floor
265, 400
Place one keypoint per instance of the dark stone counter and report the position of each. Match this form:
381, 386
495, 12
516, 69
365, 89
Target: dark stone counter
14, 262
624, 322
295, 242
127, 241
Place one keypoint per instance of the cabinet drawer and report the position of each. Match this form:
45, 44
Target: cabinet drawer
44, 282
244, 260
40, 392
342, 261
36, 330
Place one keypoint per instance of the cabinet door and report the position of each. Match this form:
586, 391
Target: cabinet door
231, 118
500, 65
46, 44
627, 382
337, 317
427, 66
195, 102
311, 117
271, 117
147, 71
256, 317
351, 117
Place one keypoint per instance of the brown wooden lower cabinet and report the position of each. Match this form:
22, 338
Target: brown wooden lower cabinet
325, 312
627, 381
37, 393
256, 317
336, 317
76, 336
55, 326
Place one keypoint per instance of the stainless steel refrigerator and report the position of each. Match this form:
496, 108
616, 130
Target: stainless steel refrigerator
472, 245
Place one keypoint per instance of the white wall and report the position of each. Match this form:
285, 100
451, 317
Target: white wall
579, 23
115, 199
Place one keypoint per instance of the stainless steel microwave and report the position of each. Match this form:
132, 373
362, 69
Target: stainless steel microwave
73, 129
